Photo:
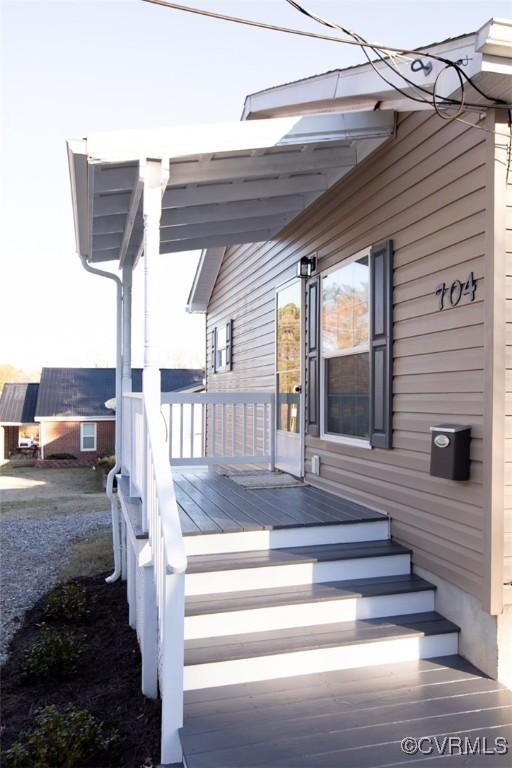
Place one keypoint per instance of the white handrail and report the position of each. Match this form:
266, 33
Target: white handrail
169, 564
217, 397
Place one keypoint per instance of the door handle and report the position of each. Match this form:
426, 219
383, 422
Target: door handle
297, 389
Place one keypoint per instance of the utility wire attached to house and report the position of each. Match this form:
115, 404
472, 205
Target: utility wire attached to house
387, 56
353, 39
434, 98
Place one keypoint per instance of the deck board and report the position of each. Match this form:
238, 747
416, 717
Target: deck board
212, 503
354, 718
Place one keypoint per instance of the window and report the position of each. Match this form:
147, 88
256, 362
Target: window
221, 347
88, 436
345, 349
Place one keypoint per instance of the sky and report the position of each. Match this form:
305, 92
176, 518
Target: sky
71, 67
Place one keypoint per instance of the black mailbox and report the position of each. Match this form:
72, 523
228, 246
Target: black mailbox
449, 451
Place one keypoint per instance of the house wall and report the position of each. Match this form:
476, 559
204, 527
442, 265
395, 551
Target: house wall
428, 190
64, 437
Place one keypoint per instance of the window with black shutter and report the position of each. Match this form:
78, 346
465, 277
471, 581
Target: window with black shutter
222, 345
349, 350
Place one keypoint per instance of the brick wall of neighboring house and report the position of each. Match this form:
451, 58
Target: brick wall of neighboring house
64, 437
10, 440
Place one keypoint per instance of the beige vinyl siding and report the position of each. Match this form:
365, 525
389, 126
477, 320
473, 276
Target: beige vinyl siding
508, 382
427, 190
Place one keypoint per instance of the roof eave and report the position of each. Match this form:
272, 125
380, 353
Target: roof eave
78, 173
489, 49
199, 296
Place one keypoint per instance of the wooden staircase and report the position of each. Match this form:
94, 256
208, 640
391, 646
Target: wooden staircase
308, 642
266, 614
297, 612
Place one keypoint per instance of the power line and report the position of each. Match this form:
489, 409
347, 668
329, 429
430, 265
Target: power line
315, 35
433, 94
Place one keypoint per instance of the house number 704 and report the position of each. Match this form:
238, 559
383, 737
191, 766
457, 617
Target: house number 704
455, 291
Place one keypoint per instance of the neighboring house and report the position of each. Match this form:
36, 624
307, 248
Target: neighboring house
399, 223
69, 406
17, 410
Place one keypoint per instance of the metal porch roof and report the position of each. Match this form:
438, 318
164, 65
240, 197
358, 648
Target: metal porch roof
83, 392
228, 183
18, 403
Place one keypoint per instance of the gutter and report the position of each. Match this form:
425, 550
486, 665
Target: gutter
116, 541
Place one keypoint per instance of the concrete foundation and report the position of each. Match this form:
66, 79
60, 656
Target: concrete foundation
485, 641
505, 646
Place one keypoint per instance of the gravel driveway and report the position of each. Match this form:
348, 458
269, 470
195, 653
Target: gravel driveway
36, 544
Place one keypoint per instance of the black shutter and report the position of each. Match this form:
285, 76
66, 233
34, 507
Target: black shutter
229, 344
313, 357
381, 344
214, 350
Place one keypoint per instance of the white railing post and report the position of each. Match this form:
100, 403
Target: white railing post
172, 668
272, 433
149, 634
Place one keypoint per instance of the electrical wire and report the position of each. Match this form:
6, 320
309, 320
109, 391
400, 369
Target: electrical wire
433, 94
498, 103
378, 49
362, 43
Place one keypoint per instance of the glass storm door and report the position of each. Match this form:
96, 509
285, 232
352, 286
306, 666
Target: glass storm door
289, 421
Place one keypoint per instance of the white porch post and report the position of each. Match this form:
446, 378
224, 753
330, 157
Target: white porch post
171, 651
126, 380
154, 176
126, 411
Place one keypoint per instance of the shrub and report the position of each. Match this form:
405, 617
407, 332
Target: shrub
67, 603
67, 738
62, 456
54, 654
107, 462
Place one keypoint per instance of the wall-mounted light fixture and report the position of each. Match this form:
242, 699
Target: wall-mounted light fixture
306, 266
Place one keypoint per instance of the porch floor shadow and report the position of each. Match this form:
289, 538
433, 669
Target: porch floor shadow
212, 503
354, 718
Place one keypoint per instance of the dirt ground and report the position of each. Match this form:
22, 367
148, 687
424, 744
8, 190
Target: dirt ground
44, 511
32, 492
107, 681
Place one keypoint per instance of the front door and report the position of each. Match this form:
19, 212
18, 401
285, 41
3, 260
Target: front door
289, 368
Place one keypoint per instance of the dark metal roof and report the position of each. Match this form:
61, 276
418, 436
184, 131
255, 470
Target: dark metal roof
82, 392
18, 403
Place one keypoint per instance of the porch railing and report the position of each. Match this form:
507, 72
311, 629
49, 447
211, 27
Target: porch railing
185, 428
145, 456
219, 427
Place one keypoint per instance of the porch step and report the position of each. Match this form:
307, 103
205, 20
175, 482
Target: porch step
354, 718
239, 571
214, 615
291, 536
248, 657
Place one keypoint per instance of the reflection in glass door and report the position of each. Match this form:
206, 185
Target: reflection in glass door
289, 379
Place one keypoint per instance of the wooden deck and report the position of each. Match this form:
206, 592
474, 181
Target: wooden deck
348, 719
212, 503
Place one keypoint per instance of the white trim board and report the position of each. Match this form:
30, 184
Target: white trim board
75, 418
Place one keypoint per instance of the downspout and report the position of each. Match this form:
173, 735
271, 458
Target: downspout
116, 468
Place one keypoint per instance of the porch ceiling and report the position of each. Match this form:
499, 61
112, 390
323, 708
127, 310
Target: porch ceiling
228, 183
